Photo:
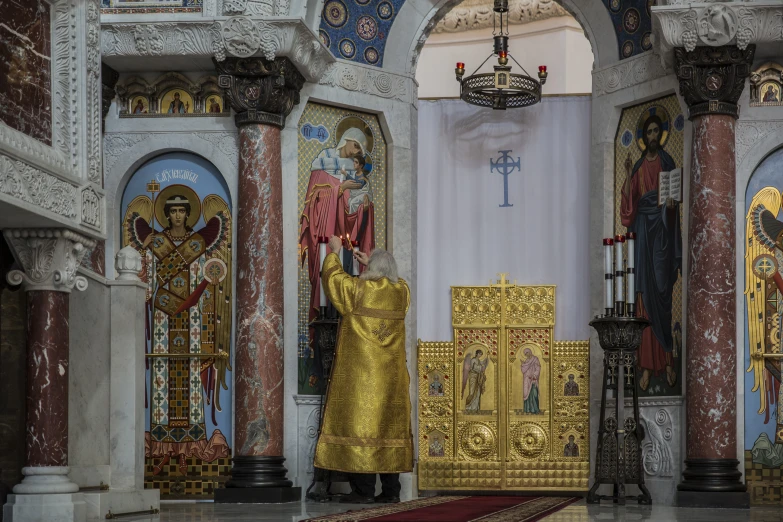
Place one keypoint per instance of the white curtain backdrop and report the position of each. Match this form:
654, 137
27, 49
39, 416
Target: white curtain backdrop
466, 238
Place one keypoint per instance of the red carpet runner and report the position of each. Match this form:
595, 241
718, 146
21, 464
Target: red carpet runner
457, 509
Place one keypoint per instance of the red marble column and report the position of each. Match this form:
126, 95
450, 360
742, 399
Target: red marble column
47, 378
711, 81
262, 92
711, 379
259, 337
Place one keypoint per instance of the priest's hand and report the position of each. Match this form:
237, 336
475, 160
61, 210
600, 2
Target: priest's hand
362, 258
335, 244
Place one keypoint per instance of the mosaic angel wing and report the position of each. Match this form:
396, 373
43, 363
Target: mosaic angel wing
761, 235
216, 213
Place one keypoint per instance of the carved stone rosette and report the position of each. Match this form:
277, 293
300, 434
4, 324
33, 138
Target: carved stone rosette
49, 257
712, 78
259, 90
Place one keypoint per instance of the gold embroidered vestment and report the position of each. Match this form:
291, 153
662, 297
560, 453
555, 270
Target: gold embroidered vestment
367, 420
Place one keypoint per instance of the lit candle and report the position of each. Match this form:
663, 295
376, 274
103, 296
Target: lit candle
630, 285
322, 254
619, 295
355, 266
608, 276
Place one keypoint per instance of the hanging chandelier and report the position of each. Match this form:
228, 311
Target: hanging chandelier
500, 89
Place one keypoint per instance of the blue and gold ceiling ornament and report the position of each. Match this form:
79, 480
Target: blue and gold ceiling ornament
632, 22
356, 30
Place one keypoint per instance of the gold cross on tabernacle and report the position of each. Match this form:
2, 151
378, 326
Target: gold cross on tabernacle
502, 282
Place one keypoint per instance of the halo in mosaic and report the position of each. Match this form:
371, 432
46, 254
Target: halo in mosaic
365, 25
632, 24
324, 37
371, 55
335, 13
347, 48
385, 10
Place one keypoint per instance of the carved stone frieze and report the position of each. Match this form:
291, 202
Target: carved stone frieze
26, 183
260, 90
65, 82
225, 142
657, 457
49, 258
749, 133
712, 78
92, 208
370, 81
684, 24
115, 145
633, 71
478, 14
238, 36
94, 90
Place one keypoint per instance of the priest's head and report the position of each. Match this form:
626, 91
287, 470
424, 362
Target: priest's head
651, 134
381, 264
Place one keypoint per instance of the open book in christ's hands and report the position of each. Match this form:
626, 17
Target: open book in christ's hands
669, 186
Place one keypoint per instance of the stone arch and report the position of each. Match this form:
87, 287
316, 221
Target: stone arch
418, 17
124, 154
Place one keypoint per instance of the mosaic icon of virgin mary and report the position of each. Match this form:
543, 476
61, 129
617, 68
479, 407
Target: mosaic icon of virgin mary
188, 273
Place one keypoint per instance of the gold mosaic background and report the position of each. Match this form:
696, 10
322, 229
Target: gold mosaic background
674, 146
317, 114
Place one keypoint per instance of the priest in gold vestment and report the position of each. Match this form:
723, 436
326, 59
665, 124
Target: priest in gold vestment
367, 420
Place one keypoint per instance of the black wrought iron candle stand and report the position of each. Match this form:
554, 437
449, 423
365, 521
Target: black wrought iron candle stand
619, 456
324, 344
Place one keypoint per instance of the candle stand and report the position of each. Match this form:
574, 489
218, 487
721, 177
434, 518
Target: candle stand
619, 456
324, 344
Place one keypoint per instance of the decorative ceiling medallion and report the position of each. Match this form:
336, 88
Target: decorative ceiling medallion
324, 37
366, 28
371, 55
631, 20
627, 49
335, 13
385, 10
347, 48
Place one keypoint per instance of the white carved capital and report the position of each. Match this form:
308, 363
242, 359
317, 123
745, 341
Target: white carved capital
128, 264
681, 24
49, 257
238, 36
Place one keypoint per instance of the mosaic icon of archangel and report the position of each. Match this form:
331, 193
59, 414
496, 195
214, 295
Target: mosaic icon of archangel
764, 300
188, 273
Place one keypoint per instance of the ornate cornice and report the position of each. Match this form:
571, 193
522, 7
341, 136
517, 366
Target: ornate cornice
632, 71
370, 80
712, 78
717, 24
260, 90
478, 14
237, 36
49, 257
26, 183
750, 133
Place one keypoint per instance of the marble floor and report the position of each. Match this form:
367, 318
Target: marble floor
578, 512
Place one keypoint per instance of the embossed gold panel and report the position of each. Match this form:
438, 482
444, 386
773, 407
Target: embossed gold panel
504, 406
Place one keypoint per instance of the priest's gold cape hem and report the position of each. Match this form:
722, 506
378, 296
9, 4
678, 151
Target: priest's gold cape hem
367, 420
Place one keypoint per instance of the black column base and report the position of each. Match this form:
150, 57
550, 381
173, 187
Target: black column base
712, 483
258, 480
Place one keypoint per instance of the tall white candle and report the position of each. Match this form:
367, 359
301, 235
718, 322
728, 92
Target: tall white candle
619, 295
630, 285
608, 275
322, 255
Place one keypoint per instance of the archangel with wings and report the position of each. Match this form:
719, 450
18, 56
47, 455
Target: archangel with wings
188, 273
764, 300
474, 379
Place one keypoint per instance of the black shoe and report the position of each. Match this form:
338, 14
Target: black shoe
355, 498
383, 499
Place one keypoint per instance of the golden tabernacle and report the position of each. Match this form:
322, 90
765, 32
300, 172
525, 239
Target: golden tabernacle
505, 405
